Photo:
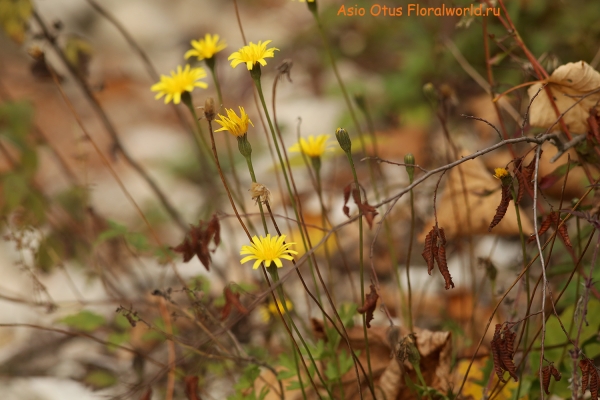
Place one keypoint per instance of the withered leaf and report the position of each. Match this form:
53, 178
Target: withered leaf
198, 239
547, 372
231, 299
590, 378
191, 387
502, 208
369, 305
147, 395
347, 190
503, 352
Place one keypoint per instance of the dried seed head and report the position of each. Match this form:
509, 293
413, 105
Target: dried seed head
209, 109
260, 193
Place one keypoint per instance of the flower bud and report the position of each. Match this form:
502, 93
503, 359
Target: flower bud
312, 6
409, 160
431, 94
244, 145
343, 139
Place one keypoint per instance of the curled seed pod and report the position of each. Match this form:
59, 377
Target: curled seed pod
428, 252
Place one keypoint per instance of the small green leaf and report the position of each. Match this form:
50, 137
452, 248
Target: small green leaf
100, 379
85, 321
115, 339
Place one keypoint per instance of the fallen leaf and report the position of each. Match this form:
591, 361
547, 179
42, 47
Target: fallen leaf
567, 84
369, 306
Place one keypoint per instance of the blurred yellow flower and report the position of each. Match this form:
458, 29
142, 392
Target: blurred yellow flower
252, 54
315, 146
500, 173
267, 249
206, 48
237, 126
266, 311
184, 80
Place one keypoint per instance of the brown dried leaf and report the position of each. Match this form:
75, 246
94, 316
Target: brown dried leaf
186, 249
503, 352
231, 299
428, 252
594, 124
502, 208
347, 190
191, 387
567, 84
369, 305
440, 257
147, 395
198, 239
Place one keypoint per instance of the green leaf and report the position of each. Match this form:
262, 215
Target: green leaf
115, 339
100, 379
246, 381
15, 122
85, 321
15, 190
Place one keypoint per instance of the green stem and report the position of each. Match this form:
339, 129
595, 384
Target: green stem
361, 266
410, 243
260, 206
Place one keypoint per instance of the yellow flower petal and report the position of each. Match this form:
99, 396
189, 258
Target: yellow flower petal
315, 146
252, 54
180, 81
269, 249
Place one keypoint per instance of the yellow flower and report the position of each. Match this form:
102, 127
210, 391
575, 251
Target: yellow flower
266, 311
206, 48
252, 54
267, 249
238, 126
500, 173
181, 81
315, 146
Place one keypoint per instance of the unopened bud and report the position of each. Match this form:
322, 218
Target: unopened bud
409, 160
209, 109
312, 6
343, 139
431, 94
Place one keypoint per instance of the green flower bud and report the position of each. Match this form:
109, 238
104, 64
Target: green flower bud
244, 145
410, 169
431, 94
344, 140
312, 6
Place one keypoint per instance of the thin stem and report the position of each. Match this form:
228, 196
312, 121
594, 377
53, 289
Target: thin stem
410, 243
361, 265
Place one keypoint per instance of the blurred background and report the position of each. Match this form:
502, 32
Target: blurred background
75, 244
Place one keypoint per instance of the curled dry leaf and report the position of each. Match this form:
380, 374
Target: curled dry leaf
369, 306
547, 372
231, 299
568, 83
367, 210
590, 378
553, 220
197, 240
503, 352
469, 215
437, 252
502, 207
191, 387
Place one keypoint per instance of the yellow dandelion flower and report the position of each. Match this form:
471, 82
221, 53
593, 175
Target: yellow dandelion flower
238, 126
206, 48
315, 146
184, 80
265, 312
500, 173
252, 54
267, 249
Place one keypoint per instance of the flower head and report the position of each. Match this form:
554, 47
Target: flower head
271, 309
315, 146
500, 173
181, 81
267, 249
238, 126
252, 54
206, 48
